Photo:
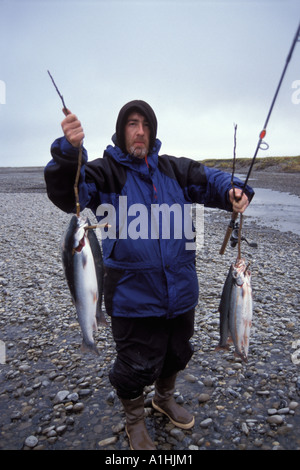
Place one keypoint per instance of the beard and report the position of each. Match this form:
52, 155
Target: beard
139, 152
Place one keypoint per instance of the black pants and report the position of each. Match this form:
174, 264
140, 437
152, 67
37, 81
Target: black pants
149, 348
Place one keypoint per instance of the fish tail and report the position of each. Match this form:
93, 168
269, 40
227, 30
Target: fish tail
240, 354
89, 347
100, 318
221, 347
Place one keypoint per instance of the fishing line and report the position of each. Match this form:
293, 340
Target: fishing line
261, 144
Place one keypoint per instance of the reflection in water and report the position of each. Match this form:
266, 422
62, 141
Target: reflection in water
276, 210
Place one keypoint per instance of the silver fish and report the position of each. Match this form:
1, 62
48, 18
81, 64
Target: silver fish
236, 309
83, 267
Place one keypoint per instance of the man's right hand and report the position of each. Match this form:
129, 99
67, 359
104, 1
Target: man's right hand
72, 129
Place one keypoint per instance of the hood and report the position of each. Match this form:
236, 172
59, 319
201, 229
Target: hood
141, 107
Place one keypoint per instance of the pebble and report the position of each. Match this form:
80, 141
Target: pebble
177, 433
61, 396
108, 441
190, 378
54, 397
245, 429
206, 423
203, 397
78, 407
31, 441
275, 419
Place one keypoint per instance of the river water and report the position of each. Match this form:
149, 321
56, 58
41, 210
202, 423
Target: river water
275, 209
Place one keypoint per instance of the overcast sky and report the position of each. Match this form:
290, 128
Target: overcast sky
202, 65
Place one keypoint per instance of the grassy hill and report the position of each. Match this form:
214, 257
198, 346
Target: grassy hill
285, 164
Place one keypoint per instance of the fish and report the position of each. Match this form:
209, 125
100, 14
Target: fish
83, 267
236, 309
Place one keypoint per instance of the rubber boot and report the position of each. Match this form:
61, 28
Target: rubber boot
136, 430
164, 402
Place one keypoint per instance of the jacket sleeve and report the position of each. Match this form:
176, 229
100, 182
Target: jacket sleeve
201, 184
218, 187
60, 174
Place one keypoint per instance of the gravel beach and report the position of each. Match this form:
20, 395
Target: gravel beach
53, 397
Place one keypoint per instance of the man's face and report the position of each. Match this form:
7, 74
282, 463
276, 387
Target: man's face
137, 135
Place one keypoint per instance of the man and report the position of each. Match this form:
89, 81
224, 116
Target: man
151, 286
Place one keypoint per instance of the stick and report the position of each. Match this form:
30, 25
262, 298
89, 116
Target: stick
234, 214
66, 112
59, 94
91, 227
76, 182
240, 236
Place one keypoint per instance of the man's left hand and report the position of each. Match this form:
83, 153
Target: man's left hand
239, 204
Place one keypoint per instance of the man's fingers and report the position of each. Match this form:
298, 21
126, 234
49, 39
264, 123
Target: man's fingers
238, 199
72, 129
75, 136
70, 118
241, 204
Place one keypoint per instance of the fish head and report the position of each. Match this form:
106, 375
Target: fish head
80, 234
238, 271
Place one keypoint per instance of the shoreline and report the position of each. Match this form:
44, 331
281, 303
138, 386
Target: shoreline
31, 179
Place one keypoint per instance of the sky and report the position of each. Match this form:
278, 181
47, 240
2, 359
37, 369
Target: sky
203, 66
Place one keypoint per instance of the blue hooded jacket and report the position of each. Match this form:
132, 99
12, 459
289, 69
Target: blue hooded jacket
144, 275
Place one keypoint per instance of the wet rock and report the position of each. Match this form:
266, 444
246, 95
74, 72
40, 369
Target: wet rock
177, 433
111, 397
31, 441
275, 419
108, 441
16, 415
84, 392
61, 429
206, 423
73, 397
203, 397
61, 396
78, 407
